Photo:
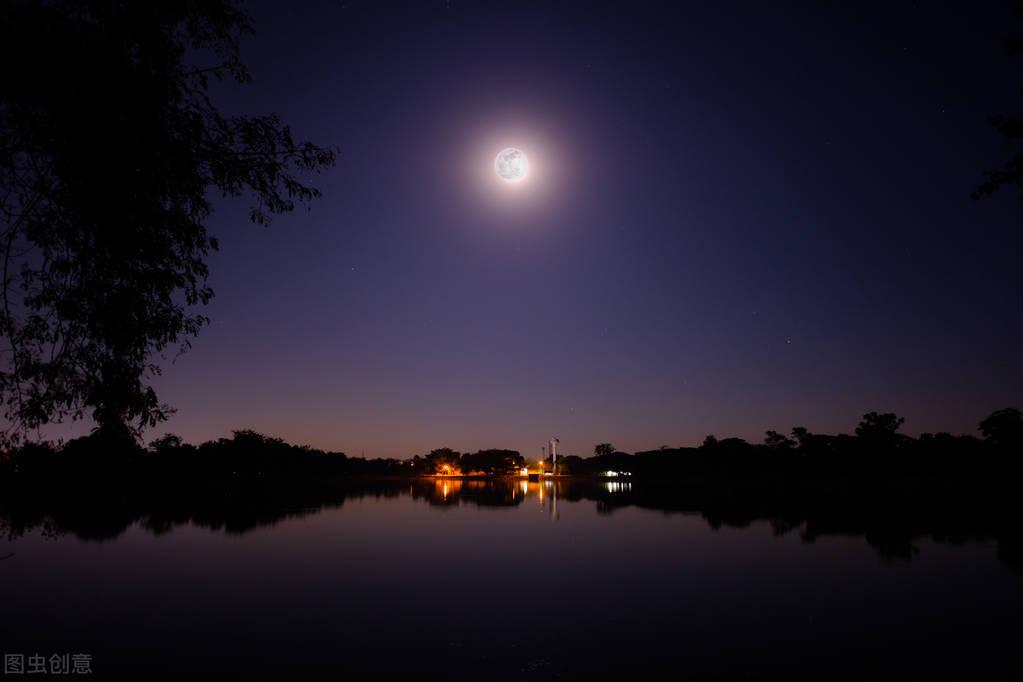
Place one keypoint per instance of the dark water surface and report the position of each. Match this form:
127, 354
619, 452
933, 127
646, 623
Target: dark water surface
506, 580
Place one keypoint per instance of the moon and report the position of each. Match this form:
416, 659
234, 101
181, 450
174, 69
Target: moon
511, 164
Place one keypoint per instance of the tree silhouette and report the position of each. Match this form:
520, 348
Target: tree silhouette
1004, 428
777, 441
879, 428
166, 443
603, 449
111, 151
443, 461
492, 462
1010, 127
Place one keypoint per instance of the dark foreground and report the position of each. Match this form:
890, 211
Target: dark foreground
504, 579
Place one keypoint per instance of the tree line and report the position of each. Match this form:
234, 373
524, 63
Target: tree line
877, 447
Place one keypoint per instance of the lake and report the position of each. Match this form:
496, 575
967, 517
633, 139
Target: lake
504, 579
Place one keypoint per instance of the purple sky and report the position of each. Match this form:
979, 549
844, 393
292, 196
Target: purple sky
737, 220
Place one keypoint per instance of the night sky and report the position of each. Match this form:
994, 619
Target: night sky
738, 218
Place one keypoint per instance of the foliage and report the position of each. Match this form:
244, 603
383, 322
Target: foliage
492, 462
876, 453
776, 441
1004, 427
443, 461
111, 153
1011, 127
875, 427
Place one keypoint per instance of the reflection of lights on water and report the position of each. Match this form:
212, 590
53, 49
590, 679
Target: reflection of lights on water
525, 487
617, 486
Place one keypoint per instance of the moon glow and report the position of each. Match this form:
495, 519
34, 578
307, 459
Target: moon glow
511, 164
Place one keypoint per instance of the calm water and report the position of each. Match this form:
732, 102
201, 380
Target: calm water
445, 579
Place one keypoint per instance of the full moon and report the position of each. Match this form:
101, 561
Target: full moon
511, 164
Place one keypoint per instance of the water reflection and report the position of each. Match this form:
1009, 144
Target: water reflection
618, 486
894, 532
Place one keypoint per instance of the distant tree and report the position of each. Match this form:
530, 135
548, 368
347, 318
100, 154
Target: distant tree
802, 435
165, 443
777, 441
710, 441
247, 438
1004, 428
111, 153
818, 443
443, 461
570, 464
492, 462
603, 449
879, 428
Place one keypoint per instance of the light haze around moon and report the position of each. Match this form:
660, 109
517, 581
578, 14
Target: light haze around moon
511, 164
